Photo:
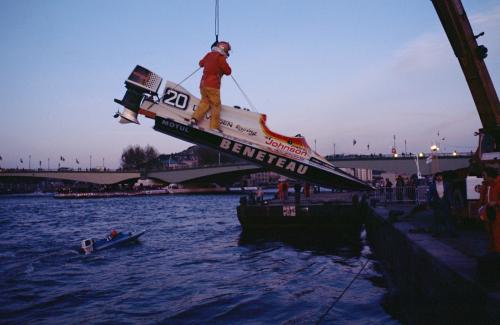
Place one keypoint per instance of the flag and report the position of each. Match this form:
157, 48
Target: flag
77, 162
21, 160
40, 163
354, 142
62, 158
368, 147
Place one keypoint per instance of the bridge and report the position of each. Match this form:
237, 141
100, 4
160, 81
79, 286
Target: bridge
403, 165
178, 175
95, 177
216, 173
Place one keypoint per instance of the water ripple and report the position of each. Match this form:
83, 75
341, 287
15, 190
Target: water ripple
193, 266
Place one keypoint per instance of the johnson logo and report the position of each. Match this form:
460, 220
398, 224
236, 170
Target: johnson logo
286, 148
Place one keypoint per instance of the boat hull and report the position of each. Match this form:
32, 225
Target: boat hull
294, 168
121, 238
245, 133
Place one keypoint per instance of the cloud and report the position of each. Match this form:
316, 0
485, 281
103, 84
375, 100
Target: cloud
486, 19
416, 91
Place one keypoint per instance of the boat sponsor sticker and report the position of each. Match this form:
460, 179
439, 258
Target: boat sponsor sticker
287, 148
174, 126
246, 131
262, 157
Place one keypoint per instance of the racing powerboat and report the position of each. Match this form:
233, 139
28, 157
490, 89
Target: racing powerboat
90, 245
244, 133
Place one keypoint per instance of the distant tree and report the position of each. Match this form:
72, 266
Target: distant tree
135, 156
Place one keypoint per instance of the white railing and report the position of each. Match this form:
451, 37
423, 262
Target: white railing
403, 194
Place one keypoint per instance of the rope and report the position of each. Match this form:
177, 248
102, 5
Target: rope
244, 95
192, 73
343, 292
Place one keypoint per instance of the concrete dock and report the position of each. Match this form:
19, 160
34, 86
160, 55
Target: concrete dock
435, 279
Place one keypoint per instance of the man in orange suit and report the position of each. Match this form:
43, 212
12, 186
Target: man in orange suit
490, 210
214, 67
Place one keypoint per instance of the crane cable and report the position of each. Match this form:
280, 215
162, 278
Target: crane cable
216, 29
216, 23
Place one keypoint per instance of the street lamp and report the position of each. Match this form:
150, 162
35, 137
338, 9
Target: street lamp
454, 153
434, 161
420, 154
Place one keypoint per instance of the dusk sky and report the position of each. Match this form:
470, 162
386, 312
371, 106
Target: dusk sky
333, 71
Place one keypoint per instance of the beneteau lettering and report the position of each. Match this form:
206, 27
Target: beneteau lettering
237, 147
281, 162
290, 166
260, 155
280, 146
248, 152
271, 158
263, 156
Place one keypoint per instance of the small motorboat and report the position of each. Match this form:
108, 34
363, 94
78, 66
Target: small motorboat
115, 238
244, 133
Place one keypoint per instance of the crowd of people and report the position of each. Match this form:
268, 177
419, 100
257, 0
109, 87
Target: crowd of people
404, 189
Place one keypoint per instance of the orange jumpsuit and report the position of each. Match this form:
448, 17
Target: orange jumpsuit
490, 194
214, 67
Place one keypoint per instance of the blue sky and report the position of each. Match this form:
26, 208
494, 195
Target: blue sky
333, 71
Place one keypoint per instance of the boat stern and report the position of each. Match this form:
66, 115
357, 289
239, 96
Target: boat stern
87, 246
142, 83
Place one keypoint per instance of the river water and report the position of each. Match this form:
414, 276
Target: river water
193, 266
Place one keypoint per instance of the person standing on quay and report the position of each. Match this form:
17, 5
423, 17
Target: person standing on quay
214, 67
440, 202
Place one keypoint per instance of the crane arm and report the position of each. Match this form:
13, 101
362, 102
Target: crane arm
471, 58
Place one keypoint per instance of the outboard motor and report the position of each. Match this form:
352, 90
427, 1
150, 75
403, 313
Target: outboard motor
140, 83
87, 246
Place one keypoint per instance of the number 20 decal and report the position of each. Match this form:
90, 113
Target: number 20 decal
175, 98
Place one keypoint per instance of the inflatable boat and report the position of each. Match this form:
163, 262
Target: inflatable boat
90, 245
244, 133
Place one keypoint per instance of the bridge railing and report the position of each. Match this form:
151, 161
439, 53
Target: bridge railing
401, 156
403, 194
